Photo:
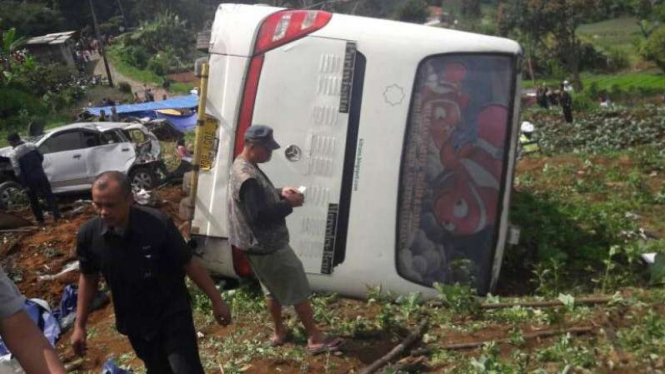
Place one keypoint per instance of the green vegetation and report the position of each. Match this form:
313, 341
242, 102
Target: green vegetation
613, 33
653, 49
141, 75
415, 11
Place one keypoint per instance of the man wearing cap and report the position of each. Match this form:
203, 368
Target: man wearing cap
257, 226
27, 161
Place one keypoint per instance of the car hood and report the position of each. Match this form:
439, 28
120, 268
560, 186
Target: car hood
4, 152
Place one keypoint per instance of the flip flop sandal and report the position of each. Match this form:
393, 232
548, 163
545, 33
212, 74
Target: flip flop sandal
280, 342
332, 344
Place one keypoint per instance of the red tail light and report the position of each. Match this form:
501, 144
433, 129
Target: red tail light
289, 25
248, 100
241, 263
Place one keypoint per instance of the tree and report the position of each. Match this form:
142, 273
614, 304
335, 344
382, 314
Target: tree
471, 8
558, 19
29, 19
654, 48
415, 11
650, 14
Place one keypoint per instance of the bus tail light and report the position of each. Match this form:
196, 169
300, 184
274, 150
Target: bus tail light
288, 25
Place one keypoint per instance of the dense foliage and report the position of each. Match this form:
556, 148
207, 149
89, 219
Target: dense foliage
160, 45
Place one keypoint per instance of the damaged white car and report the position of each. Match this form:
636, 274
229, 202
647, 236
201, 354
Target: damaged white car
75, 154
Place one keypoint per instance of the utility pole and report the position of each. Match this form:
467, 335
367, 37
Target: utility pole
102, 49
122, 12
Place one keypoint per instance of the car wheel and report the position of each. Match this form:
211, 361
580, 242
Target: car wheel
12, 195
143, 179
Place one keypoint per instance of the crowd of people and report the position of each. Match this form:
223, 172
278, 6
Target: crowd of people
562, 96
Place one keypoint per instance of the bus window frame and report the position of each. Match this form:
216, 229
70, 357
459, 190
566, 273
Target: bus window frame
515, 61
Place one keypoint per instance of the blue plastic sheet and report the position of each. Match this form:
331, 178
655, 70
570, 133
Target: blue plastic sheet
178, 102
44, 319
110, 367
67, 303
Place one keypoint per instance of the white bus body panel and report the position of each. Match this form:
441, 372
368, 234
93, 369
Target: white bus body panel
304, 112
235, 28
393, 52
224, 96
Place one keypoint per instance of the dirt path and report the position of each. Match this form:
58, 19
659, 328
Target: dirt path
137, 86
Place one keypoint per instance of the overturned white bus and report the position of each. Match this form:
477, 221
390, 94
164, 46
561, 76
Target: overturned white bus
403, 135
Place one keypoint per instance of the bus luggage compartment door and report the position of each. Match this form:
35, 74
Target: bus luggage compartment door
304, 94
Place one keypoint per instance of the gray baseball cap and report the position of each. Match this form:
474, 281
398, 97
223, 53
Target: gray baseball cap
261, 134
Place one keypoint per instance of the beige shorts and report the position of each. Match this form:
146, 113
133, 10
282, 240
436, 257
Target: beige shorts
282, 276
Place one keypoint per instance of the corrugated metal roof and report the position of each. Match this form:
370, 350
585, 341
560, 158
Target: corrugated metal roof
54, 38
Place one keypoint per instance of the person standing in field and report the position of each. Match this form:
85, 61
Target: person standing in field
257, 226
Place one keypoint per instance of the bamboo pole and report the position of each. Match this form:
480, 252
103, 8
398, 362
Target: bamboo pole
398, 350
548, 303
200, 121
533, 335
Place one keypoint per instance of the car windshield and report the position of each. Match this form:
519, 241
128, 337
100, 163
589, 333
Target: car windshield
453, 169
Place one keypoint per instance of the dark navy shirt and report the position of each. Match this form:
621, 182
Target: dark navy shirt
143, 267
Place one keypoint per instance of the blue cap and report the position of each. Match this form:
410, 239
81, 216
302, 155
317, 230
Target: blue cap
261, 134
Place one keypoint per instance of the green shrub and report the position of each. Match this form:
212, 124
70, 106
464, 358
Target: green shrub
617, 59
414, 11
158, 65
13, 100
134, 55
616, 91
125, 87
583, 102
592, 91
654, 48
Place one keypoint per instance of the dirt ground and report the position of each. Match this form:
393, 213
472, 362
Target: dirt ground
26, 256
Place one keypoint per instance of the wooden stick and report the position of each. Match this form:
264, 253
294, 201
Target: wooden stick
399, 349
74, 365
409, 367
534, 335
221, 368
19, 230
549, 303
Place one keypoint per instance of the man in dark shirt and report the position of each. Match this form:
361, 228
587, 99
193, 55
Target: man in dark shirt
144, 260
27, 161
566, 104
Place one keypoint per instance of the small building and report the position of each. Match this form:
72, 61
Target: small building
56, 47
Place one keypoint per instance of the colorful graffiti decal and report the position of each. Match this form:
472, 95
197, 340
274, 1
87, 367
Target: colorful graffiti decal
453, 169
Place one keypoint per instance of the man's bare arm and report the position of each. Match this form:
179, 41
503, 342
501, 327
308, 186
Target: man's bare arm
87, 287
28, 344
202, 279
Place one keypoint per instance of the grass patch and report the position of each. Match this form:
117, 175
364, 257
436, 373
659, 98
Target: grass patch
181, 88
648, 82
615, 33
129, 71
145, 76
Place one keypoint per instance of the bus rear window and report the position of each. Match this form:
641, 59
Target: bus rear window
452, 170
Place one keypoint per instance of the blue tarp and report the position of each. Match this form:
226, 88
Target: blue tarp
44, 319
110, 367
178, 102
182, 123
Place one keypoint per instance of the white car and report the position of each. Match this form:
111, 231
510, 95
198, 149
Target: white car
75, 154
403, 135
